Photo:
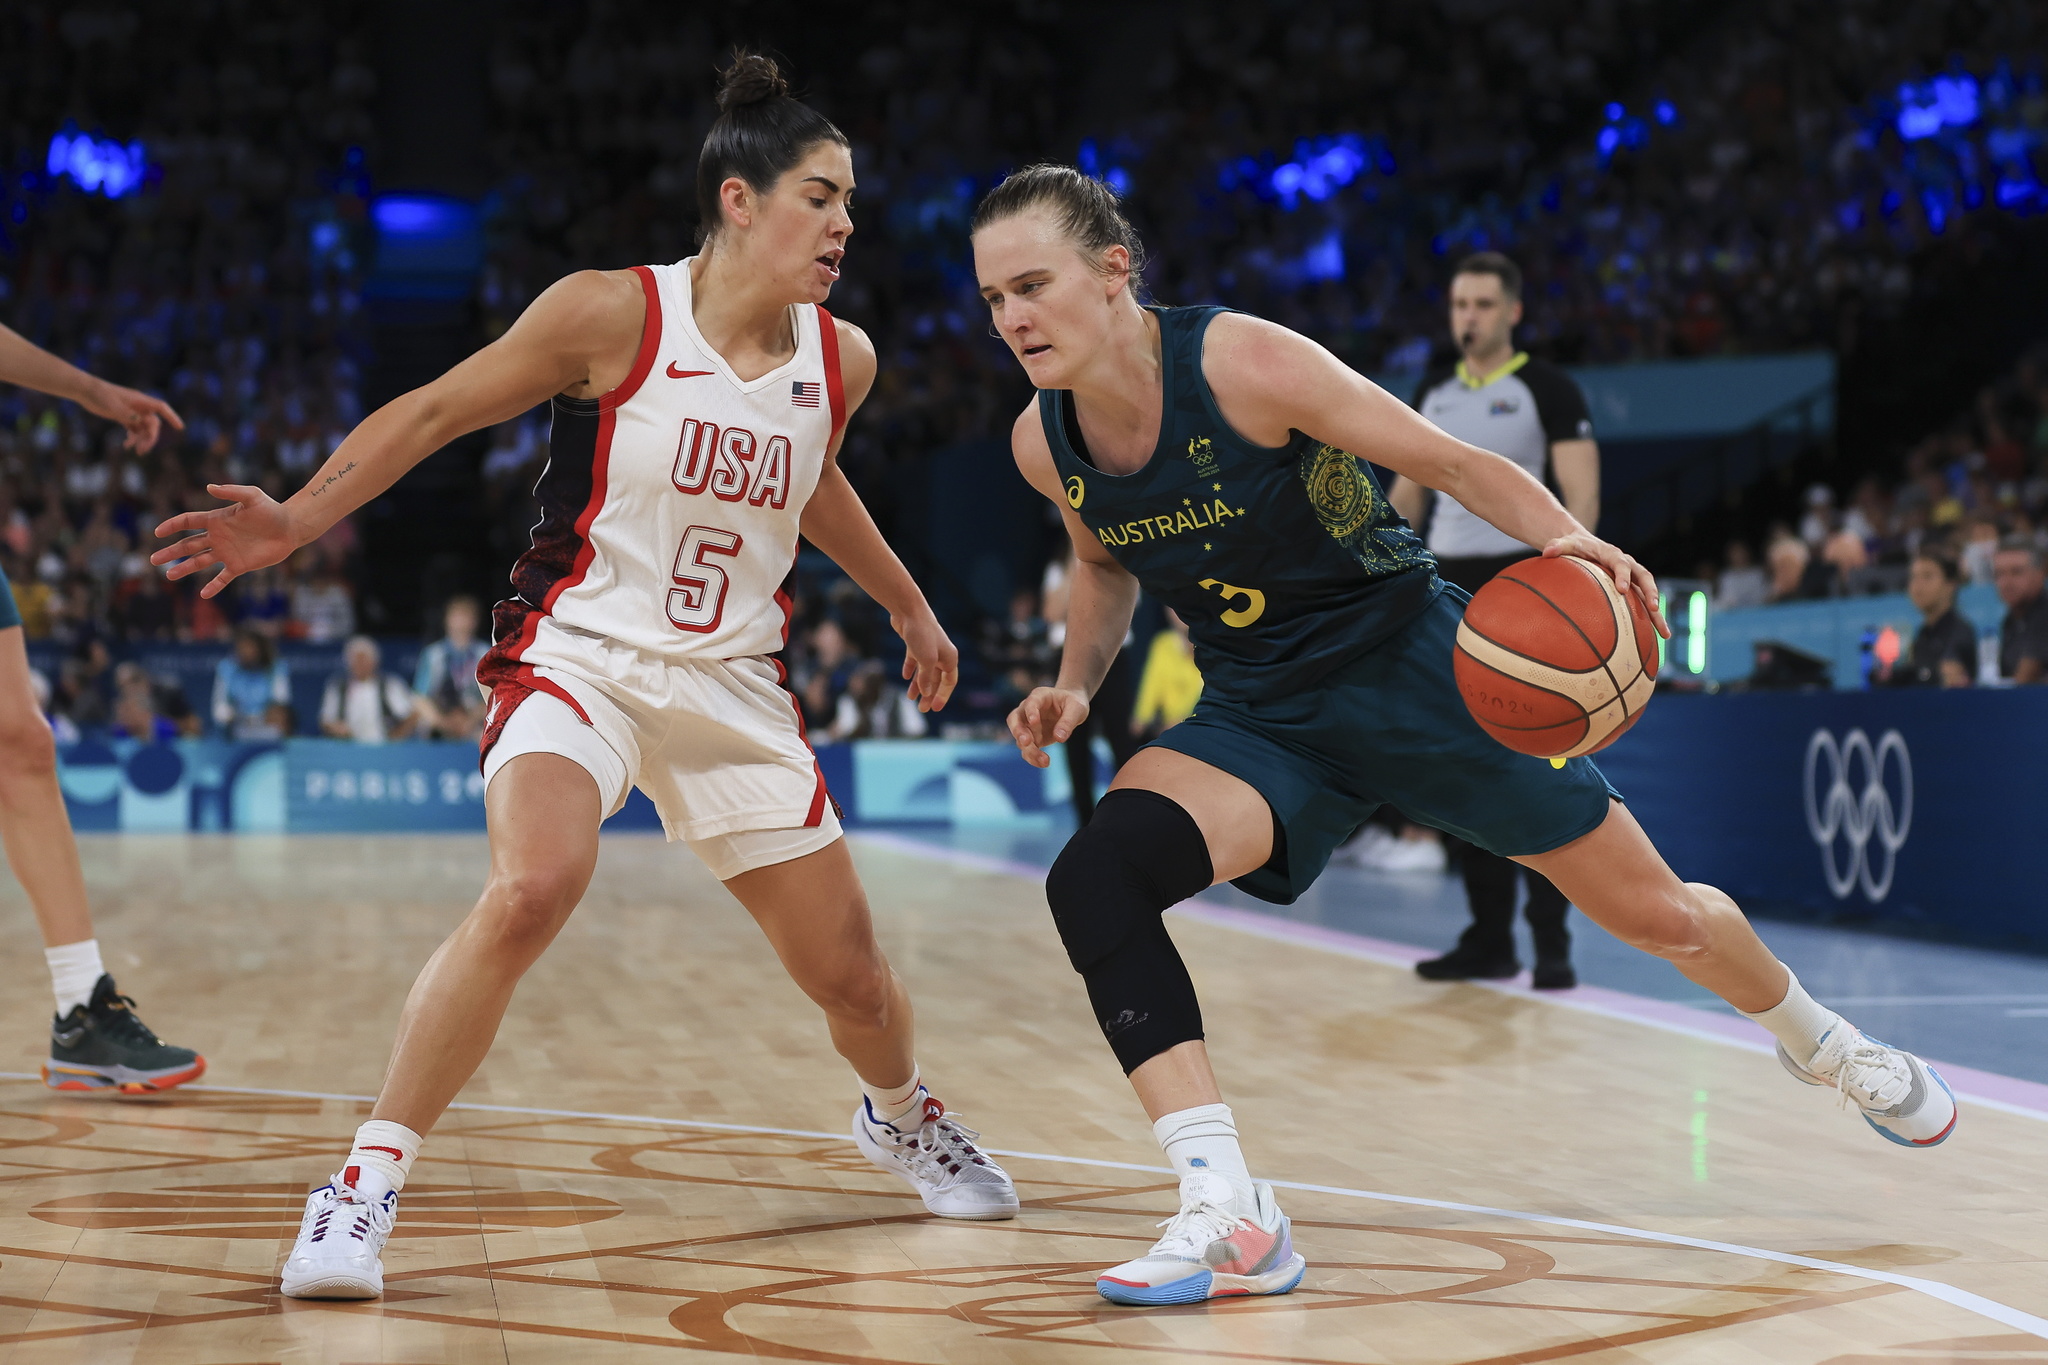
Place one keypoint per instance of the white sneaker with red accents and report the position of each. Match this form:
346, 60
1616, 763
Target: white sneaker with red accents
340, 1251
930, 1151
1902, 1097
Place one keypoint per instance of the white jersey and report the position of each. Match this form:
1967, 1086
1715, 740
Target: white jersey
669, 506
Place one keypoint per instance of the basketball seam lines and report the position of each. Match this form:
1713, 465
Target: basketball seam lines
1626, 710
1583, 718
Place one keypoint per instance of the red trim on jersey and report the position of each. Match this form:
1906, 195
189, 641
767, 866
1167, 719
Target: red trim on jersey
835, 388
650, 342
601, 458
821, 795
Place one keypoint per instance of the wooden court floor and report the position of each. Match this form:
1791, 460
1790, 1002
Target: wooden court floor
589, 1206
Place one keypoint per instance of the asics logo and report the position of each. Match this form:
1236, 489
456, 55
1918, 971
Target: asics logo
1847, 801
674, 373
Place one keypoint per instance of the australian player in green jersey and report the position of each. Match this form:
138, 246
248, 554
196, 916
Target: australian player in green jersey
1209, 458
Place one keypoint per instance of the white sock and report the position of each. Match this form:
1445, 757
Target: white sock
891, 1102
1205, 1138
381, 1157
1799, 1020
75, 969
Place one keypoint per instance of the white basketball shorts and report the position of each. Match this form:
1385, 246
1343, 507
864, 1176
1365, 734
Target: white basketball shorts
716, 744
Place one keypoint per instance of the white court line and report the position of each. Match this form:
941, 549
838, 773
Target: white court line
1934, 1289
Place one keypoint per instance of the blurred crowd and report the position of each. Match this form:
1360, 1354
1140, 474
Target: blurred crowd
1673, 180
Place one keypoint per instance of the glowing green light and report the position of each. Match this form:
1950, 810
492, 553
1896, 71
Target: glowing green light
1663, 610
1696, 633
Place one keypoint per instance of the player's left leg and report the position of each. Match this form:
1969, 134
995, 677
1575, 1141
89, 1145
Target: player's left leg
815, 913
97, 1041
1616, 877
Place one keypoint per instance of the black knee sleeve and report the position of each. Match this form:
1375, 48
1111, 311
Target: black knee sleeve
1120, 872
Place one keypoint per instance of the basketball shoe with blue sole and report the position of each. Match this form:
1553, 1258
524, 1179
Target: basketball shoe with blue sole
1902, 1097
1210, 1250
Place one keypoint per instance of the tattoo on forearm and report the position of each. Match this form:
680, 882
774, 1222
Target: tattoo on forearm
331, 478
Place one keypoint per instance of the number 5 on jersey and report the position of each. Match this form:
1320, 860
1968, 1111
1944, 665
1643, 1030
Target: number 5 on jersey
697, 601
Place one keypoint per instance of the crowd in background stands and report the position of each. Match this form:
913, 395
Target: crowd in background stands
1673, 180
1979, 482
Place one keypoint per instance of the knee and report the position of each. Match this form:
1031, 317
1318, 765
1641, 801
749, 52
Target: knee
28, 751
859, 995
521, 911
1679, 926
1140, 855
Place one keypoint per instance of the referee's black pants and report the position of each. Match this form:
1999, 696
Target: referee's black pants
1490, 880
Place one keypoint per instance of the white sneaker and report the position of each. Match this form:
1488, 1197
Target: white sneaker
339, 1254
1902, 1097
1365, 848
1210, 1251
1407, 855
932, 1153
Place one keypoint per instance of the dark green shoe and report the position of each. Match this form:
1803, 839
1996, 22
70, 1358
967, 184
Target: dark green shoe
104, 1045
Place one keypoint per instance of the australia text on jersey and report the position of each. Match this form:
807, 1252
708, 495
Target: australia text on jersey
732, 464
1188, 518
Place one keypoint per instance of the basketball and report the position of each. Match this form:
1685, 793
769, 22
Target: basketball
1554, 660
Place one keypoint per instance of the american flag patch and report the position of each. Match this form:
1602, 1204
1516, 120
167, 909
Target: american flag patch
804, 395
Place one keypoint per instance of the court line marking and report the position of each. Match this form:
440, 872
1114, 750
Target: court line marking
2003, 1314
2007, 1094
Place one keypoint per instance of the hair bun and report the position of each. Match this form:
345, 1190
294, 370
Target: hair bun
751, 79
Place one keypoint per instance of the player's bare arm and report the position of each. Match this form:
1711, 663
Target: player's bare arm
29, 365
837, 522
1101, 596
1270, 381
579, 338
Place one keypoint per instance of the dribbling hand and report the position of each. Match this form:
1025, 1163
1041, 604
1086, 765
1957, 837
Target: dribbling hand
930, 662
251, 532
1627, 573
1048, 716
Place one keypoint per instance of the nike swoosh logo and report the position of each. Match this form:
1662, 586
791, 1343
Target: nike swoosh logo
67, 1037
674, 373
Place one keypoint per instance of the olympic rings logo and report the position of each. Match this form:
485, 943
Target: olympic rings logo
1835, 808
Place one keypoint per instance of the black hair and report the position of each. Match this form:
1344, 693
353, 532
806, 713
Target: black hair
1086, 209
761, 131
1493, 263
1943, 558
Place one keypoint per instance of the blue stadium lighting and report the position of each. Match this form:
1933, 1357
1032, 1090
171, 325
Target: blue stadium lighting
1324, 260
1926, 107
1666, 112
1614, 113
403, 215
1090, 160
96, 163
1936, 211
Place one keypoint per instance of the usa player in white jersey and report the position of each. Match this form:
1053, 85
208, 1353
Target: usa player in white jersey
698, 408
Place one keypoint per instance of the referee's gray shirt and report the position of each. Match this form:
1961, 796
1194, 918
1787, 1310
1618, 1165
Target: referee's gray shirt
1528, 404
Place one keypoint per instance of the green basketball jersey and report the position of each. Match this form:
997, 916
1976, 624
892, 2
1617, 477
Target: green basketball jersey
1286, 562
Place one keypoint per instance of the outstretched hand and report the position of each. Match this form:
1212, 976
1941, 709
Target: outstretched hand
1050, 715
251, 532
930, 662
1627, 573
143, 415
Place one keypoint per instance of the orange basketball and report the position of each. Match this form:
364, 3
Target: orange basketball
1553, 659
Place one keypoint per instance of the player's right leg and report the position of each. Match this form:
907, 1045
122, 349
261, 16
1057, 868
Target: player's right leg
1170, 827
1616, 877
544, 811
97, 1042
